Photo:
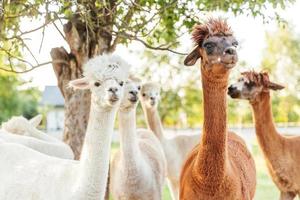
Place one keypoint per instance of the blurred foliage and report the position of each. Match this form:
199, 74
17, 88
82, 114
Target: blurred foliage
282, 59
181, 103
16, 101
156, 23
159, 23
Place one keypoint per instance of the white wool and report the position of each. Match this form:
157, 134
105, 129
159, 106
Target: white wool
151, 86
176, 148
27, 174
19, 130
17, 125
106, 66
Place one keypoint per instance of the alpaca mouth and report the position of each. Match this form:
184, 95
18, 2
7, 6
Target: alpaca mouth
133, 99
152, 103
114, 99
229, 65
228, 61
233, 94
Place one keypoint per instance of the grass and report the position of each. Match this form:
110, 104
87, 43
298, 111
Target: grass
265, 188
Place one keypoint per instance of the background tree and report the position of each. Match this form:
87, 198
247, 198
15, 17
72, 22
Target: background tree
282, 58
94, 27
15, 101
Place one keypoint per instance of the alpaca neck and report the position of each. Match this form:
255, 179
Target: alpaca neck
128, 139
153, 121
211, 159
267, 135
94, 162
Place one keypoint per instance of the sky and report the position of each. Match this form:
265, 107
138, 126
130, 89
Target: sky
249, 31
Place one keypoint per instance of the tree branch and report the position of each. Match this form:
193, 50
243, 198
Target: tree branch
160, 47
125, 22
62, 35
30, 31
32, 67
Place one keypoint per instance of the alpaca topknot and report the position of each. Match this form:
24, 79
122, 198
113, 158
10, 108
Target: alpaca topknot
106, 66
152, 85
261, 78
213, 26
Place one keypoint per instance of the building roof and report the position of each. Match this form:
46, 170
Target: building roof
52, 97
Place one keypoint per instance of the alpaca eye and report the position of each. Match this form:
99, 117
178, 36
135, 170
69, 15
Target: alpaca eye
97, 84
250, 84
139, 88
235, 44
121, 83
209, 46
144, 94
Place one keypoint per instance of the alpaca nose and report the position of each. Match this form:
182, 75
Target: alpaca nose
134, 93
231, 89
230, 51
113, 89
152, 98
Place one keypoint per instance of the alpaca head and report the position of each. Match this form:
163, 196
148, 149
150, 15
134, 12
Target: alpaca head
215, 45
104, 76
20, 125
150, 94
251, 85
130, 98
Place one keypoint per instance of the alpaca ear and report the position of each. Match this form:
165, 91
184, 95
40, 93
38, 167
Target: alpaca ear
81, 83
192, 58
275, 86
35, 121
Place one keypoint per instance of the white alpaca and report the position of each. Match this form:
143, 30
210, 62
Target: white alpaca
22, 131
138, 168
27, 174
176, 148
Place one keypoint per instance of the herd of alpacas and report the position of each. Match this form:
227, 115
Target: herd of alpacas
215, 165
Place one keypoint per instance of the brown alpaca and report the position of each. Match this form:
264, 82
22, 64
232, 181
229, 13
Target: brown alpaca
281, 153
220, 167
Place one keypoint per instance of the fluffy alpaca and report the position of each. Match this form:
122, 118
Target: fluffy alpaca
220, 167
20, 125
138, 168
281, 153
177, 148
27, 174
22, 131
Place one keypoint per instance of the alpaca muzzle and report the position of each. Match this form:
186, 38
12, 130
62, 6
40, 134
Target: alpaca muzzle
233, 92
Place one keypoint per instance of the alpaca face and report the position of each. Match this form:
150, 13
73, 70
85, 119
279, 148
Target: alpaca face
20, 125
215, 45
130, 98
105, 93
150, 94
17, 125
251, 85
220, 51
105, 76
244, 89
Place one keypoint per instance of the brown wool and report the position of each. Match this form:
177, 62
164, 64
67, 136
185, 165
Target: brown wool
220, 167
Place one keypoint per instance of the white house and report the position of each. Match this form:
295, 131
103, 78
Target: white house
53, 100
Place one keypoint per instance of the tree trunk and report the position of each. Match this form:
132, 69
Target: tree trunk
84, 44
